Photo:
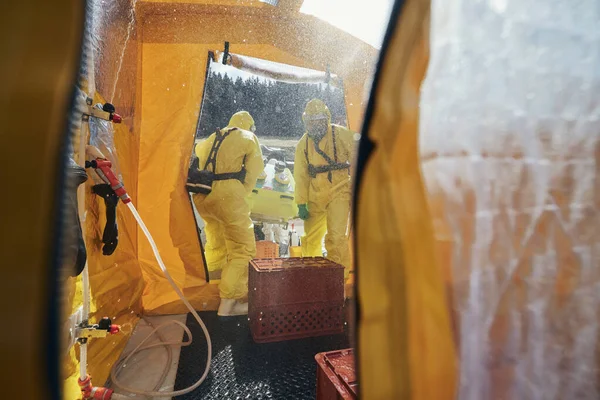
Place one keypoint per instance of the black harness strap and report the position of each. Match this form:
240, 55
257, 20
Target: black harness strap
212, 155
212, 159
333, 165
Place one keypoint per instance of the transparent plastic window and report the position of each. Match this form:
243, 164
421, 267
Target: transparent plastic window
510, 118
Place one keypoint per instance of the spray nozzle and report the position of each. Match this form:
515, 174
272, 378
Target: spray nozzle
103, 169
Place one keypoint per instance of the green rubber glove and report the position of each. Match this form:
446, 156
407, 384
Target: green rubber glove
303, 211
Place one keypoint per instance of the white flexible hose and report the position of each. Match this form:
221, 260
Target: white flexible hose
140, 346
164, 342
85, 274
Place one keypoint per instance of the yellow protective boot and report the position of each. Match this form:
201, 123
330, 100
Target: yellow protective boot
232, 307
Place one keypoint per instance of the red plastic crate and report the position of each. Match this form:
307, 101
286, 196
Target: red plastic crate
292, 298
266, 249
336, 376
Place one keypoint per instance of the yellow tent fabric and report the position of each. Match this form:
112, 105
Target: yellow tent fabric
35, 77
161, 112
406, 350
170, 103
153, 71
116, 281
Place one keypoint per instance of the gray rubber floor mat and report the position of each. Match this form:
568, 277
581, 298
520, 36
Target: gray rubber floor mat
242, 369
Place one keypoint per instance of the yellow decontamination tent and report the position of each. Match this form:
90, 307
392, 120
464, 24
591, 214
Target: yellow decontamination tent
153, 70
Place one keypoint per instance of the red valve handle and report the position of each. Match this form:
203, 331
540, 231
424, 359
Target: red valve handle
109, 177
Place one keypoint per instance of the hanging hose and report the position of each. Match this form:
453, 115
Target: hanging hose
114, 373
103, 169
163, 342
86, 85
140, 347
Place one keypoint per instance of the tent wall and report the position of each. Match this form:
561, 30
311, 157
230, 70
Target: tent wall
405, 344
510, 147
36, 75
176, 41
151, 63
116, 281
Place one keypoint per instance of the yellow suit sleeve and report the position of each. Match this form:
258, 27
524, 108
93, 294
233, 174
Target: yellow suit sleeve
346, 137
202, 149
254, 165
301, 172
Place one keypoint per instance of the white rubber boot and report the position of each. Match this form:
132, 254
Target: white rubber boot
232, 307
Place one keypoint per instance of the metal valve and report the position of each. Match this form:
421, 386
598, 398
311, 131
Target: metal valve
107, 112
99, 330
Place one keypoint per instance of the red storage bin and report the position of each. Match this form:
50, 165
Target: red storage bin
292, 298
266, 249
336, 376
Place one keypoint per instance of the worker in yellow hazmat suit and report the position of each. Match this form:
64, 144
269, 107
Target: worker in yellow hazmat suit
323, 185
234, 155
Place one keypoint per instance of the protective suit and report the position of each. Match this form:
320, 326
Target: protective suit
323, 184
229, 229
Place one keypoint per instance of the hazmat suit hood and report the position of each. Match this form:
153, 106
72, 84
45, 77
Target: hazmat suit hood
242, 120
317, 119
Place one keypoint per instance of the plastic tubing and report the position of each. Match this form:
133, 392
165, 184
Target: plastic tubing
141, 346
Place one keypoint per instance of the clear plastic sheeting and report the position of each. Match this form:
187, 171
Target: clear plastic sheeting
509, 144
102, 136
281, 72
111, 53
108, 72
